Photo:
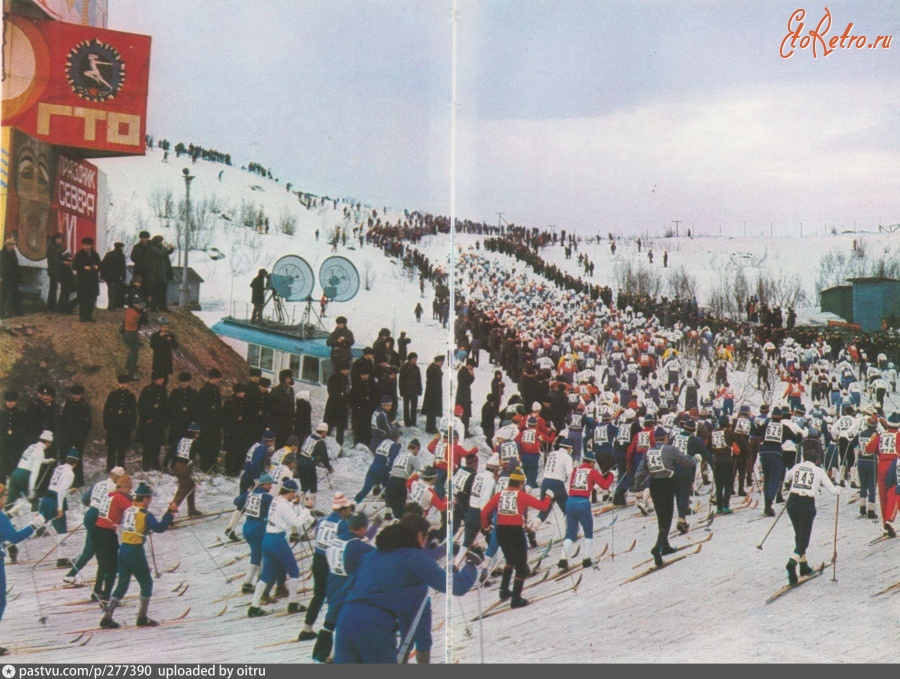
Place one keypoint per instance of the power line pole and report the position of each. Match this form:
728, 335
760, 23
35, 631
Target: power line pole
184, 297
677, 223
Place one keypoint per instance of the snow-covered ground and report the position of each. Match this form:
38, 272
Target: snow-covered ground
709, 607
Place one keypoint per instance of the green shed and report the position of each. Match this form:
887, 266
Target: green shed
839, 301
875, 299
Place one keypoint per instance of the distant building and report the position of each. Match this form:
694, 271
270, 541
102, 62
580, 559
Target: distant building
273, 348
865, 302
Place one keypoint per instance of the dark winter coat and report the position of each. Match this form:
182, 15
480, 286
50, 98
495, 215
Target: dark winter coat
302, 419
336, 405
10, 272
140, 257
54, 259
112, 268
152, 411
13, 438
359, 366
120, 413
341, 355
87, 279
282, 402
464, 380
182, 410
162, 347
410, 380
258, 288
209, 407
433, 401
74, 425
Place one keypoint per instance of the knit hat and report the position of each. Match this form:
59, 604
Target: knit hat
116, 471
340, 501
322, 426
46, 436
493, 462
268, 435
193, 426
265, 478
386, 399
357, 521
414, 443
289, 484
292, 440
893, 420
143, 490
73, 454
429, 473
517, 475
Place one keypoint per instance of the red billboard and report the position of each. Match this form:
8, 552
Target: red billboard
76, 86
48, 192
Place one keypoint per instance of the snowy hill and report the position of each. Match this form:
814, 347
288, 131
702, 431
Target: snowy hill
709, 607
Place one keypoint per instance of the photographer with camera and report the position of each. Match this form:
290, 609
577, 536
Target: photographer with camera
259, 285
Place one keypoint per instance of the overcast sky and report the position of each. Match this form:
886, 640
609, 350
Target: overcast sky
606, 115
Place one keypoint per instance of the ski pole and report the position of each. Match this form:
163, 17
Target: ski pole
837, 507
211, 558
760, 545
153, 556
404, 647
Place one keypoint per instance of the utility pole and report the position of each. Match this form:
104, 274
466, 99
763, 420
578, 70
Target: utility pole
677, 223
184, 297
500, 222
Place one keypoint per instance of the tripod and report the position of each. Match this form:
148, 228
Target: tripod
307, 326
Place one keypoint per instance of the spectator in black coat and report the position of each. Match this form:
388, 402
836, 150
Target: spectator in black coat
139, 256
152, 413
410, 388
13, 434
65, 303
361, 400
237, 417
74, 427
42, 414
340, 340
86, 265
258, 295
163, 343
182, 411
403, 343
336, 405
433, 400
488, 417
55, 252
282, 403
209, 417
10, 280
119, 421
302, 416
465, 376
112, 269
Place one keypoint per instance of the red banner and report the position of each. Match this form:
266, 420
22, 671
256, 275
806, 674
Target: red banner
75, 198
77, 86
48, 192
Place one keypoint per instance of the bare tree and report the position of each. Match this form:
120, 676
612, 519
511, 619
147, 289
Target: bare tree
369, 275
287, 222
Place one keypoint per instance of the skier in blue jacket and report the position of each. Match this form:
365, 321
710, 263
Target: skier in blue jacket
390, 588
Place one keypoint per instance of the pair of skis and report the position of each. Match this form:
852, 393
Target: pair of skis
800, 581
689, 549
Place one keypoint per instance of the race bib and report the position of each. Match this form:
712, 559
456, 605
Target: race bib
335, 557
718, 439
551, 463
103, 506
580, 479
509, 503
418, 493
401, 460
601, 434
654, 461
624, 435
681, 444
774, 432
573, 398
888, 443
803, 479
308, 447
460, 478
99, 493
253, 505
440, 451
742, 426
643, 442
129, 520
183, 450
56, 480
384, 448
325, 534
529, 436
